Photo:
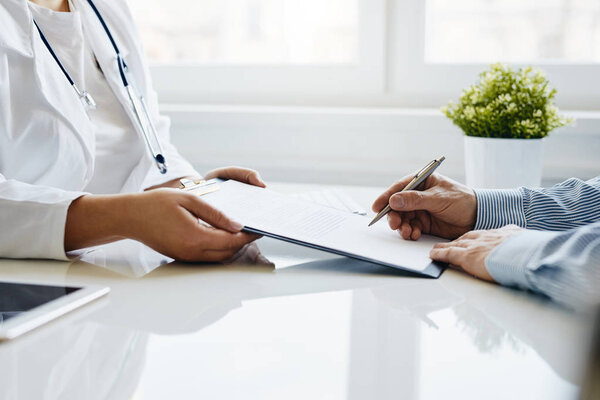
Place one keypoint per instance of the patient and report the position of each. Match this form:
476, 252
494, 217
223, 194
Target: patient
544, 240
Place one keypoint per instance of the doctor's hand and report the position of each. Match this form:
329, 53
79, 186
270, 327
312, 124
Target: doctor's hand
469, 251
182, 226
244, 175
177, 224
441, 207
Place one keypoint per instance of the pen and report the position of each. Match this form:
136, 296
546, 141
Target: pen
416, 181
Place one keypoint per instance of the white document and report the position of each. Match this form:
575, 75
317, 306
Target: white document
304, 222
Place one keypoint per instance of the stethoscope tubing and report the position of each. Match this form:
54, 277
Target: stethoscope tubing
138, 109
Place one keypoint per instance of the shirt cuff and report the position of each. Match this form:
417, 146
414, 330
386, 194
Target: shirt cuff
509, 263
499, 207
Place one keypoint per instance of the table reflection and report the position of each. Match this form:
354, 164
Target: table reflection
395, 321
487, 320
75, 360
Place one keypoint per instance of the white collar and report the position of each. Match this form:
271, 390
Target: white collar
16, 33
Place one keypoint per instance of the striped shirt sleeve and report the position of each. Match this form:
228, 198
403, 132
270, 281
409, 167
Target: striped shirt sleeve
564, 266
564, 206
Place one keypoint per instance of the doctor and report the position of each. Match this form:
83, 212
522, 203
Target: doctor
85, 156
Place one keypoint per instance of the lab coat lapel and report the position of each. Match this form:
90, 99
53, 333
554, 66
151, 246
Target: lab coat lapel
15, 20
19, 34
61, 97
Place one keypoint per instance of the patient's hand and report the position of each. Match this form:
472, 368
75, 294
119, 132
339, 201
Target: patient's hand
442, 207
469, 252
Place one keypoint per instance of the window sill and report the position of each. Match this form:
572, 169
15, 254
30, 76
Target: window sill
353, 145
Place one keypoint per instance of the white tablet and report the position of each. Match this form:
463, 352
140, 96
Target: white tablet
25, 306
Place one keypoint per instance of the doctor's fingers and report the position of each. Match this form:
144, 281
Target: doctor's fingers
240, 174
211, 244
208, 213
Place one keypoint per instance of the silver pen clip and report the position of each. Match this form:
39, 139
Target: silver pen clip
419, 178
424, 169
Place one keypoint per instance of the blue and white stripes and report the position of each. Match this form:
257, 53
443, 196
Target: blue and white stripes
559, 254
499, 207
564, 206
564, 266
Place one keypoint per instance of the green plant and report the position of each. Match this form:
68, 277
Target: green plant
505, 103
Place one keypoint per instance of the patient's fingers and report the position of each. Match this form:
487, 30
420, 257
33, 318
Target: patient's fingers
417, 229
384, 198
394, 220
452, 255
456, 243
405, 229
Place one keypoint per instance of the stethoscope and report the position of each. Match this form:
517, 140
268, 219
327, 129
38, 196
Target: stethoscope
137, 101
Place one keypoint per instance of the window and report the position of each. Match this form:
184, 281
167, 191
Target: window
474, 31
363, 52
250, 31
243, 50
451, 41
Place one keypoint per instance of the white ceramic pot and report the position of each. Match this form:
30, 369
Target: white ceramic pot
503, 163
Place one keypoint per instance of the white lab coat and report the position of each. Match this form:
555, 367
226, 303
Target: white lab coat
47, 144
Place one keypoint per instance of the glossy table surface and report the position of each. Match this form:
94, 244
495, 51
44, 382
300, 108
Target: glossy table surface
302, 325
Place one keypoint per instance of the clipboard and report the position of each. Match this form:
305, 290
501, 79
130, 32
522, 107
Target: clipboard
202, 188
433, 270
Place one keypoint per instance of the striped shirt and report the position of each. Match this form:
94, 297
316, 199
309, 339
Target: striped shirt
559, 254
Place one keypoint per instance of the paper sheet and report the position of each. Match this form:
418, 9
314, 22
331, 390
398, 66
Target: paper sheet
305, 221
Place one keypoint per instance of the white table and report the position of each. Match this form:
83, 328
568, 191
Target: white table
314, 327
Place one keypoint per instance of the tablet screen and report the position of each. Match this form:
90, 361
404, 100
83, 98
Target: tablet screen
16, 298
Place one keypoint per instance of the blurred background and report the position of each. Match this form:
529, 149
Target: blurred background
316, 32
348, 91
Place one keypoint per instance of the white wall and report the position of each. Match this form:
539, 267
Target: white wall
363, 146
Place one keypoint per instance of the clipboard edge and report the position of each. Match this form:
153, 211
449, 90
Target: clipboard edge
432, 271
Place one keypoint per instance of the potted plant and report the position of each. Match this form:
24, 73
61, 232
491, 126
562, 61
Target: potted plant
505, 116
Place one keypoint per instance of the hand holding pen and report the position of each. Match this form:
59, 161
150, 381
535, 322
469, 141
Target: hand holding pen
419, 178
442, 207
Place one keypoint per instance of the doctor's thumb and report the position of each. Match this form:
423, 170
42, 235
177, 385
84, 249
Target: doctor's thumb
413, 200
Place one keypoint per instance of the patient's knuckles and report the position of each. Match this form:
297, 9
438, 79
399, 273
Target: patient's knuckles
454, 254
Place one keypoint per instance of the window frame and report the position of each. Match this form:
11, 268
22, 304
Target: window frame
391, 72
194, 83
434, 84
